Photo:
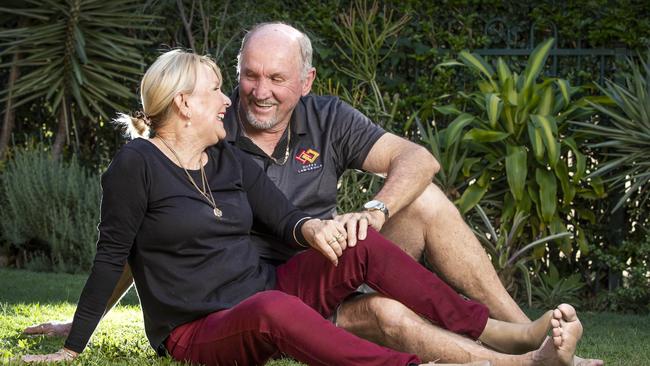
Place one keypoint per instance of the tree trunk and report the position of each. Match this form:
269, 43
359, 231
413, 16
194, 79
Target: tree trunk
62, 133
10, 114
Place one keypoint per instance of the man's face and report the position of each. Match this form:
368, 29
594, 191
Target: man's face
270, 82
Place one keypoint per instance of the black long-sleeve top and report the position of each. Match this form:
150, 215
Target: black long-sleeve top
186, 263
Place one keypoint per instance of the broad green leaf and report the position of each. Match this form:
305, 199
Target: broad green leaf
562, 174
516, 170
548, 129
509, 91
467, 165
477, 63
456, 127
471, 197
493, 105
481, 135
564, 87
535, 135
448, 109
547, 193
557, 227
545, 106
579, 159
503, 71
536, 63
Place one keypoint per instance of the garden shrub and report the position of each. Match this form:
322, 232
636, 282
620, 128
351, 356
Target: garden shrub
632, 259
50, 211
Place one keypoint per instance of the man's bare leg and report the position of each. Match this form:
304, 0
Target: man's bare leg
432, 226
391, 324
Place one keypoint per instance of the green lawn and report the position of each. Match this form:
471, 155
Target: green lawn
27, 298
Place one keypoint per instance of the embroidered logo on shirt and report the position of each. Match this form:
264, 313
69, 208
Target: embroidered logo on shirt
308, 157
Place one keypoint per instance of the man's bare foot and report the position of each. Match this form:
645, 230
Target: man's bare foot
476, 363
579, 361
50, 329
560, 349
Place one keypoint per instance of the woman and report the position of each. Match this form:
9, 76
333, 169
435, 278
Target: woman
179, 208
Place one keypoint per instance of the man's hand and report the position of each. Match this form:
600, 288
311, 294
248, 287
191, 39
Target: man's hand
60, 356
326, 236
50, 329
356, 224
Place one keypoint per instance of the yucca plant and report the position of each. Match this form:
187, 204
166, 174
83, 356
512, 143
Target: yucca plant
624, 138
516, 124
509, 254
76, 55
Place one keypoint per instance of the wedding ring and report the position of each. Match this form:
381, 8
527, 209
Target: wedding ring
332, 242
338, 236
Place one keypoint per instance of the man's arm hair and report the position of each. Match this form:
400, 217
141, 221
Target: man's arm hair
408, 167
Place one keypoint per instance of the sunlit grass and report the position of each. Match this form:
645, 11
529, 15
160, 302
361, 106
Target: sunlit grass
28, 298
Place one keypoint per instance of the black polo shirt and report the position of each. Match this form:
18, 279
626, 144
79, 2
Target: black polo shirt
328, 136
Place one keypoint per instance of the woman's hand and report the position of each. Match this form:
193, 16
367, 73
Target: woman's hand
63, 354
356, 224
326, 236
49, 329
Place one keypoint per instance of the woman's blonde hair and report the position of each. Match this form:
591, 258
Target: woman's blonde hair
174, 72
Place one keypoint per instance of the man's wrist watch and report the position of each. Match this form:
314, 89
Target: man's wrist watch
376, 205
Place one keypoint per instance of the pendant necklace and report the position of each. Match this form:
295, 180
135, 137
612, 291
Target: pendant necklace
205, 190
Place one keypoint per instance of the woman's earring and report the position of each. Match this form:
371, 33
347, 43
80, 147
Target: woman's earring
188, 124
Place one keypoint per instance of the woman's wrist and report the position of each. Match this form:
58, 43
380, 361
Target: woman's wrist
68, 354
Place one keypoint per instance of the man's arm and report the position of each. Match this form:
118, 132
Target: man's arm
408, 167
57, 329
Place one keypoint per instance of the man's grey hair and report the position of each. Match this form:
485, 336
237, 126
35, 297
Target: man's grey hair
306, 51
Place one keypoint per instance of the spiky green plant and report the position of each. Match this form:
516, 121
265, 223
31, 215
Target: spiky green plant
529, 164
624, 139
77, 56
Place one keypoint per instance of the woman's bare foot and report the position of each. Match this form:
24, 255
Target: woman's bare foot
515, 338
567, 331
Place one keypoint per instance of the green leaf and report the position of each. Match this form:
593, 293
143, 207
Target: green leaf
456, 127
562, 174
564, 87
545, 106
476, 62
471, 197
481, 135
493, 105
535, 136
536, 63
467, 165
448, 110
503, 71
516, 170
597, 184
548, 128
580, 161
547, 193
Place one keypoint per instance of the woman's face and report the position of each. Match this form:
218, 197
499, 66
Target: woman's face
208, 106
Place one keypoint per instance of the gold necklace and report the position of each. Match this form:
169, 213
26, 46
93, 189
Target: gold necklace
286, 151
206, 192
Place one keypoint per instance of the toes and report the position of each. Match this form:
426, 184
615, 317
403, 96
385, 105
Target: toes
568, 312
555, 323
557, 341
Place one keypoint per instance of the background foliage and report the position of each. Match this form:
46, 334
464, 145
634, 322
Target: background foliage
383, 58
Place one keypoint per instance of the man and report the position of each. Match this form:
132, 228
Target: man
304, 143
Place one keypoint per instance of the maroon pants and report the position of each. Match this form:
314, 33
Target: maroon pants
291, 319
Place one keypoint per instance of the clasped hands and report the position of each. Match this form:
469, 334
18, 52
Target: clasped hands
332, 237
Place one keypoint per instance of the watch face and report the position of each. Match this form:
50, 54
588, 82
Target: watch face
373, 205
